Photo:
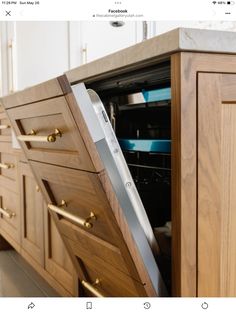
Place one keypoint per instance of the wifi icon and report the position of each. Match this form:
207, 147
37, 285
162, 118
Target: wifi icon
214, 2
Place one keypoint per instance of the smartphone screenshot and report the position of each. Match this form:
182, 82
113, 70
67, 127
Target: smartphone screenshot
117, 156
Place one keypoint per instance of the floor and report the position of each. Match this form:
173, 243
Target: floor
19, 279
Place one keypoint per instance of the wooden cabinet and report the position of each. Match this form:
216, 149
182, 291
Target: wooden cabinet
83, 202
10, 214
200, 121
25, 221
57, 260
203, 177
5, 128
216, 184
39, 236
45, 118
10, 221
107, 279
8, 168
87, 214
32, 204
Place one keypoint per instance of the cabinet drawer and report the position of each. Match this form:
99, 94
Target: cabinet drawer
45, 119
8, 165
98, 250
31, 202
45, 90
5, 128
57, 260
112, 282
83, 195
10, 213
8, 169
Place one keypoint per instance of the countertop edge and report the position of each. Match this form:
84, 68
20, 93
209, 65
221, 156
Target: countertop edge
179, 39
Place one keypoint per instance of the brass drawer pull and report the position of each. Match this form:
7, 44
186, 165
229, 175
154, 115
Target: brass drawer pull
4, 127
32, 137
7, 213
85, 222
92, 288
6, 166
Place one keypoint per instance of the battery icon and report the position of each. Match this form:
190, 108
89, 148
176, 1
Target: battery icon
230, 2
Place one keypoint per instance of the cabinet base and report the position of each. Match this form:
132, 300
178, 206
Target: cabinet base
4, 245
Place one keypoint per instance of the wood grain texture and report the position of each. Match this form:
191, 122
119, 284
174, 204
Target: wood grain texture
99, 250
186, 164
39, 92
5, 134
84, 192
31, 202
58, 271
7, 148
86, 188
81, 191
37, 113
11, 160
185, 121
11, 226
44, 117
184, 175
57, 260
176, 173
112, 281
216, 185
59, 286
9, 184
186, 67
14, 243
209, 184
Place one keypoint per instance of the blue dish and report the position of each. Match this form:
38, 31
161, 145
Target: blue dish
152, 146
157, 94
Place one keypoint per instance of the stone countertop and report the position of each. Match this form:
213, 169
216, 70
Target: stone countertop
180, 39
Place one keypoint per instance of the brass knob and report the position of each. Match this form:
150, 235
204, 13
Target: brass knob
87, 222
52, 137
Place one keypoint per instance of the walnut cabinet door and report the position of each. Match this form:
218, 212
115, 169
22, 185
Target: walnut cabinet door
216, 185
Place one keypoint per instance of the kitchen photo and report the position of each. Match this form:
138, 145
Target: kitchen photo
117, 158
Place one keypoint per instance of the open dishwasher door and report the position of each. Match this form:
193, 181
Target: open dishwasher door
109, 151
76, 160
118, 171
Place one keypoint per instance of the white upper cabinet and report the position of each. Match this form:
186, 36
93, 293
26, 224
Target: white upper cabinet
42, 51
37, 51
32, 52
102, 38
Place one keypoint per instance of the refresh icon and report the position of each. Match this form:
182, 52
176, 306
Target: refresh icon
204, 306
